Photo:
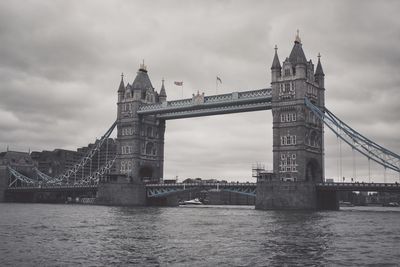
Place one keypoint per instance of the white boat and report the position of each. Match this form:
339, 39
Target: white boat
391, 204
345, 204
195, 201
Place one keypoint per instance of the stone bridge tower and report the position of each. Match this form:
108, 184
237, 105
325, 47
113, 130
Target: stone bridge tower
140, 139
298, 144
140, 144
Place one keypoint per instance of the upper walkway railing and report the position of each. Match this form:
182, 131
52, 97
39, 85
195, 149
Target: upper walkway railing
201, 105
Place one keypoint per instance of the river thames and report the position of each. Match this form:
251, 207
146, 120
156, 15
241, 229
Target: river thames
73, 235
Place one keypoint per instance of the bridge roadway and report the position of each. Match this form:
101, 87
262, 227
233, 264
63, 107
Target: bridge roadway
200, 105
162, 190
54, 188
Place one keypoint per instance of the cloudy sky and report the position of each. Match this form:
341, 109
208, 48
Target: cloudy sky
60, 66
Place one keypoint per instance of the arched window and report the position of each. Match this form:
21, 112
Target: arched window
313, 136
149, 132
149, 148
123, 166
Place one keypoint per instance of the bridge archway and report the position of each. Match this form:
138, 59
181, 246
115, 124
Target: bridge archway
313, 171
145, 172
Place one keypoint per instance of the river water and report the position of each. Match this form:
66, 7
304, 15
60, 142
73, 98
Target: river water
80, 235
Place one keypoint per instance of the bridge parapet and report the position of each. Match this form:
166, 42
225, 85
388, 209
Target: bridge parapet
382, 187
52, 187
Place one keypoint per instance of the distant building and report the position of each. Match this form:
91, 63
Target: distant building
19, 161
58, 161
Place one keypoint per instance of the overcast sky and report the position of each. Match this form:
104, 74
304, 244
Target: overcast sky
60, 66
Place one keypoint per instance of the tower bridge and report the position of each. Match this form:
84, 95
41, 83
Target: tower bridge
297, 100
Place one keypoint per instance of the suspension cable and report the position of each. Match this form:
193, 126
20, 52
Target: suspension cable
354, 164
362, 144
384, 174
340, 159
369, 170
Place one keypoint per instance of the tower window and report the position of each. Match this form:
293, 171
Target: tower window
288, 163
287, 87
149, 132
126, 166
287, 72
149, 148
288, 140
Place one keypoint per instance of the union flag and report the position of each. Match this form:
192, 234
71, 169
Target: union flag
178, 83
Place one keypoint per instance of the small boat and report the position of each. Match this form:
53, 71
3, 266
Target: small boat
345, 204
391, 204
195, 201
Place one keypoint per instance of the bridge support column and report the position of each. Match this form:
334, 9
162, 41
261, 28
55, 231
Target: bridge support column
279, 195
3, 182
121, 193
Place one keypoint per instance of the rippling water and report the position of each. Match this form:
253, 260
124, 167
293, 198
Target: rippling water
70, 235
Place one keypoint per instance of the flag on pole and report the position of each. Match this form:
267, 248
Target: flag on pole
219, 79
178, 83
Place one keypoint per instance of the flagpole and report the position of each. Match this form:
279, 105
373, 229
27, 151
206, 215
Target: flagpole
216, 85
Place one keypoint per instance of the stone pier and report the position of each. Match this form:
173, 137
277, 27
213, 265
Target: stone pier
121, 192
278, 195
281, 195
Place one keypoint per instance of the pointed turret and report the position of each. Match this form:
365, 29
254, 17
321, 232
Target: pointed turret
276, 67
297, 55
142, 80
122, 84
121, 89
276, 64
163, 95
319, 73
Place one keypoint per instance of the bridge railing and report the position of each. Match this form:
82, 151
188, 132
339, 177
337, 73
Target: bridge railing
200, 185
357, 184
61, 187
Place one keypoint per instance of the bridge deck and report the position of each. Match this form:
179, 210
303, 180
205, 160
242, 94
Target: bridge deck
383, 187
